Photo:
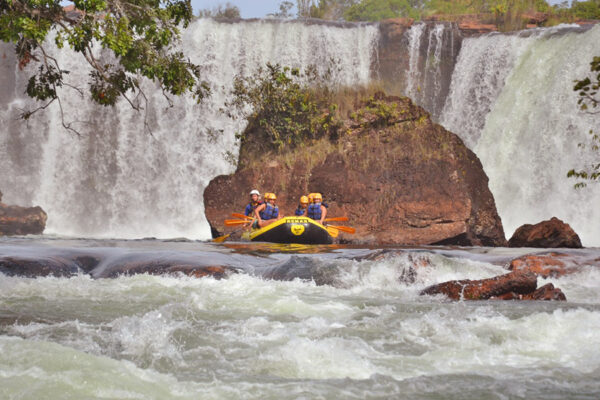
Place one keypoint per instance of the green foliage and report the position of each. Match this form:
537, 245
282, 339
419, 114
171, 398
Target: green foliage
586, 9
376, 10
587, 90
221, 11
284, 10
288, 106
139, 33
376, 113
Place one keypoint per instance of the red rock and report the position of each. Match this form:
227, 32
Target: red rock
546, 292
542, 265
499, 286
15, 220
547, 234
471, 27
400, 180
535, 18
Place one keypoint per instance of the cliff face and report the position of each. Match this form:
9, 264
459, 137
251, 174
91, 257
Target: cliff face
400, 178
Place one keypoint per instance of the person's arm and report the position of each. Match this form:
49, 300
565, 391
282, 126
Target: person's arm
257, 211
323, 214
248, 210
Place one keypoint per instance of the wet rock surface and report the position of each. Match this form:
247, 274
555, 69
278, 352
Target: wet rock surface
107, 263
401, 179
502, 287
16, 220
554, 264
552, 233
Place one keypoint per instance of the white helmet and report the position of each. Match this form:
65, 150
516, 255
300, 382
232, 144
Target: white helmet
256, 192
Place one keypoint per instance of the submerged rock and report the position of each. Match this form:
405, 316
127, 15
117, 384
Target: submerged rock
15, 220
167, 268
554, 264
400, 178
548, 234
498, 287
31, 267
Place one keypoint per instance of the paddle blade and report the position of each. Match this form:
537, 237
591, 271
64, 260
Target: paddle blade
221, 239
332, 231
347, 229
242, 216
340, 219
230, 222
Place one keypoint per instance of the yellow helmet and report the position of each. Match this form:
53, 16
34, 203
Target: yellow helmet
303, 200
311, 197
271, 196
317, 197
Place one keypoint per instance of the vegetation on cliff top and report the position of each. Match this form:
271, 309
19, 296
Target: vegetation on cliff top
138, 34
507, 14
285, 106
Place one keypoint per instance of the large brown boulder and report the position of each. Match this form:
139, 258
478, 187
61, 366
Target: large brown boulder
15, 220
400, 178
548, 234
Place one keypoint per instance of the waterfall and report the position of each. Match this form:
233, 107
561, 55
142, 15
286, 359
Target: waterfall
432, 53
511, 100
413, 75
509, 96
120, 180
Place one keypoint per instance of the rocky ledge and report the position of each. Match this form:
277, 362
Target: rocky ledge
15, 220
399, 177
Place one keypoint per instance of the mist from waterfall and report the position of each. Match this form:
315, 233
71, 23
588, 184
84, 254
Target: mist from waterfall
121, 180
512, 101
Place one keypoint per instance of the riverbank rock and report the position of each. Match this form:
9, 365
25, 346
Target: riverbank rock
15, 220
400, 178
548, 234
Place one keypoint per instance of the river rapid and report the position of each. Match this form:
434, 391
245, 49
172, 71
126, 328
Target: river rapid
340, 325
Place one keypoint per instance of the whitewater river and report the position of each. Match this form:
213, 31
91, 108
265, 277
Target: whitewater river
344, 327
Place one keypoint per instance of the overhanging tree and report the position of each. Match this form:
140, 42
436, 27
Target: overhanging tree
140, 36
588, 90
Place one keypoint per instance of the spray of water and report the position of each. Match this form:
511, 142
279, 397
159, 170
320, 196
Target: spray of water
119, 179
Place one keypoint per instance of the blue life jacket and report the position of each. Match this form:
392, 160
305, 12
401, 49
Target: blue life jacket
299, 211
314, 211
269, 212
250, 208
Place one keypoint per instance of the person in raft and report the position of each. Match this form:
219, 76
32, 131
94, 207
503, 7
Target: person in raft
254, 202
316, 210
266, 213
301, 210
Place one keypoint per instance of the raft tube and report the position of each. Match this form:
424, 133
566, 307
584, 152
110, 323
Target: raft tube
301, 230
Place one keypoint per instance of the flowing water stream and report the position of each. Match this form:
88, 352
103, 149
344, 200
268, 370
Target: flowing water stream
355, 330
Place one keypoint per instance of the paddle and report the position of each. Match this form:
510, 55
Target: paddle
341, 219
343, 228
238, 215
332, 231
230, 222
221, 239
